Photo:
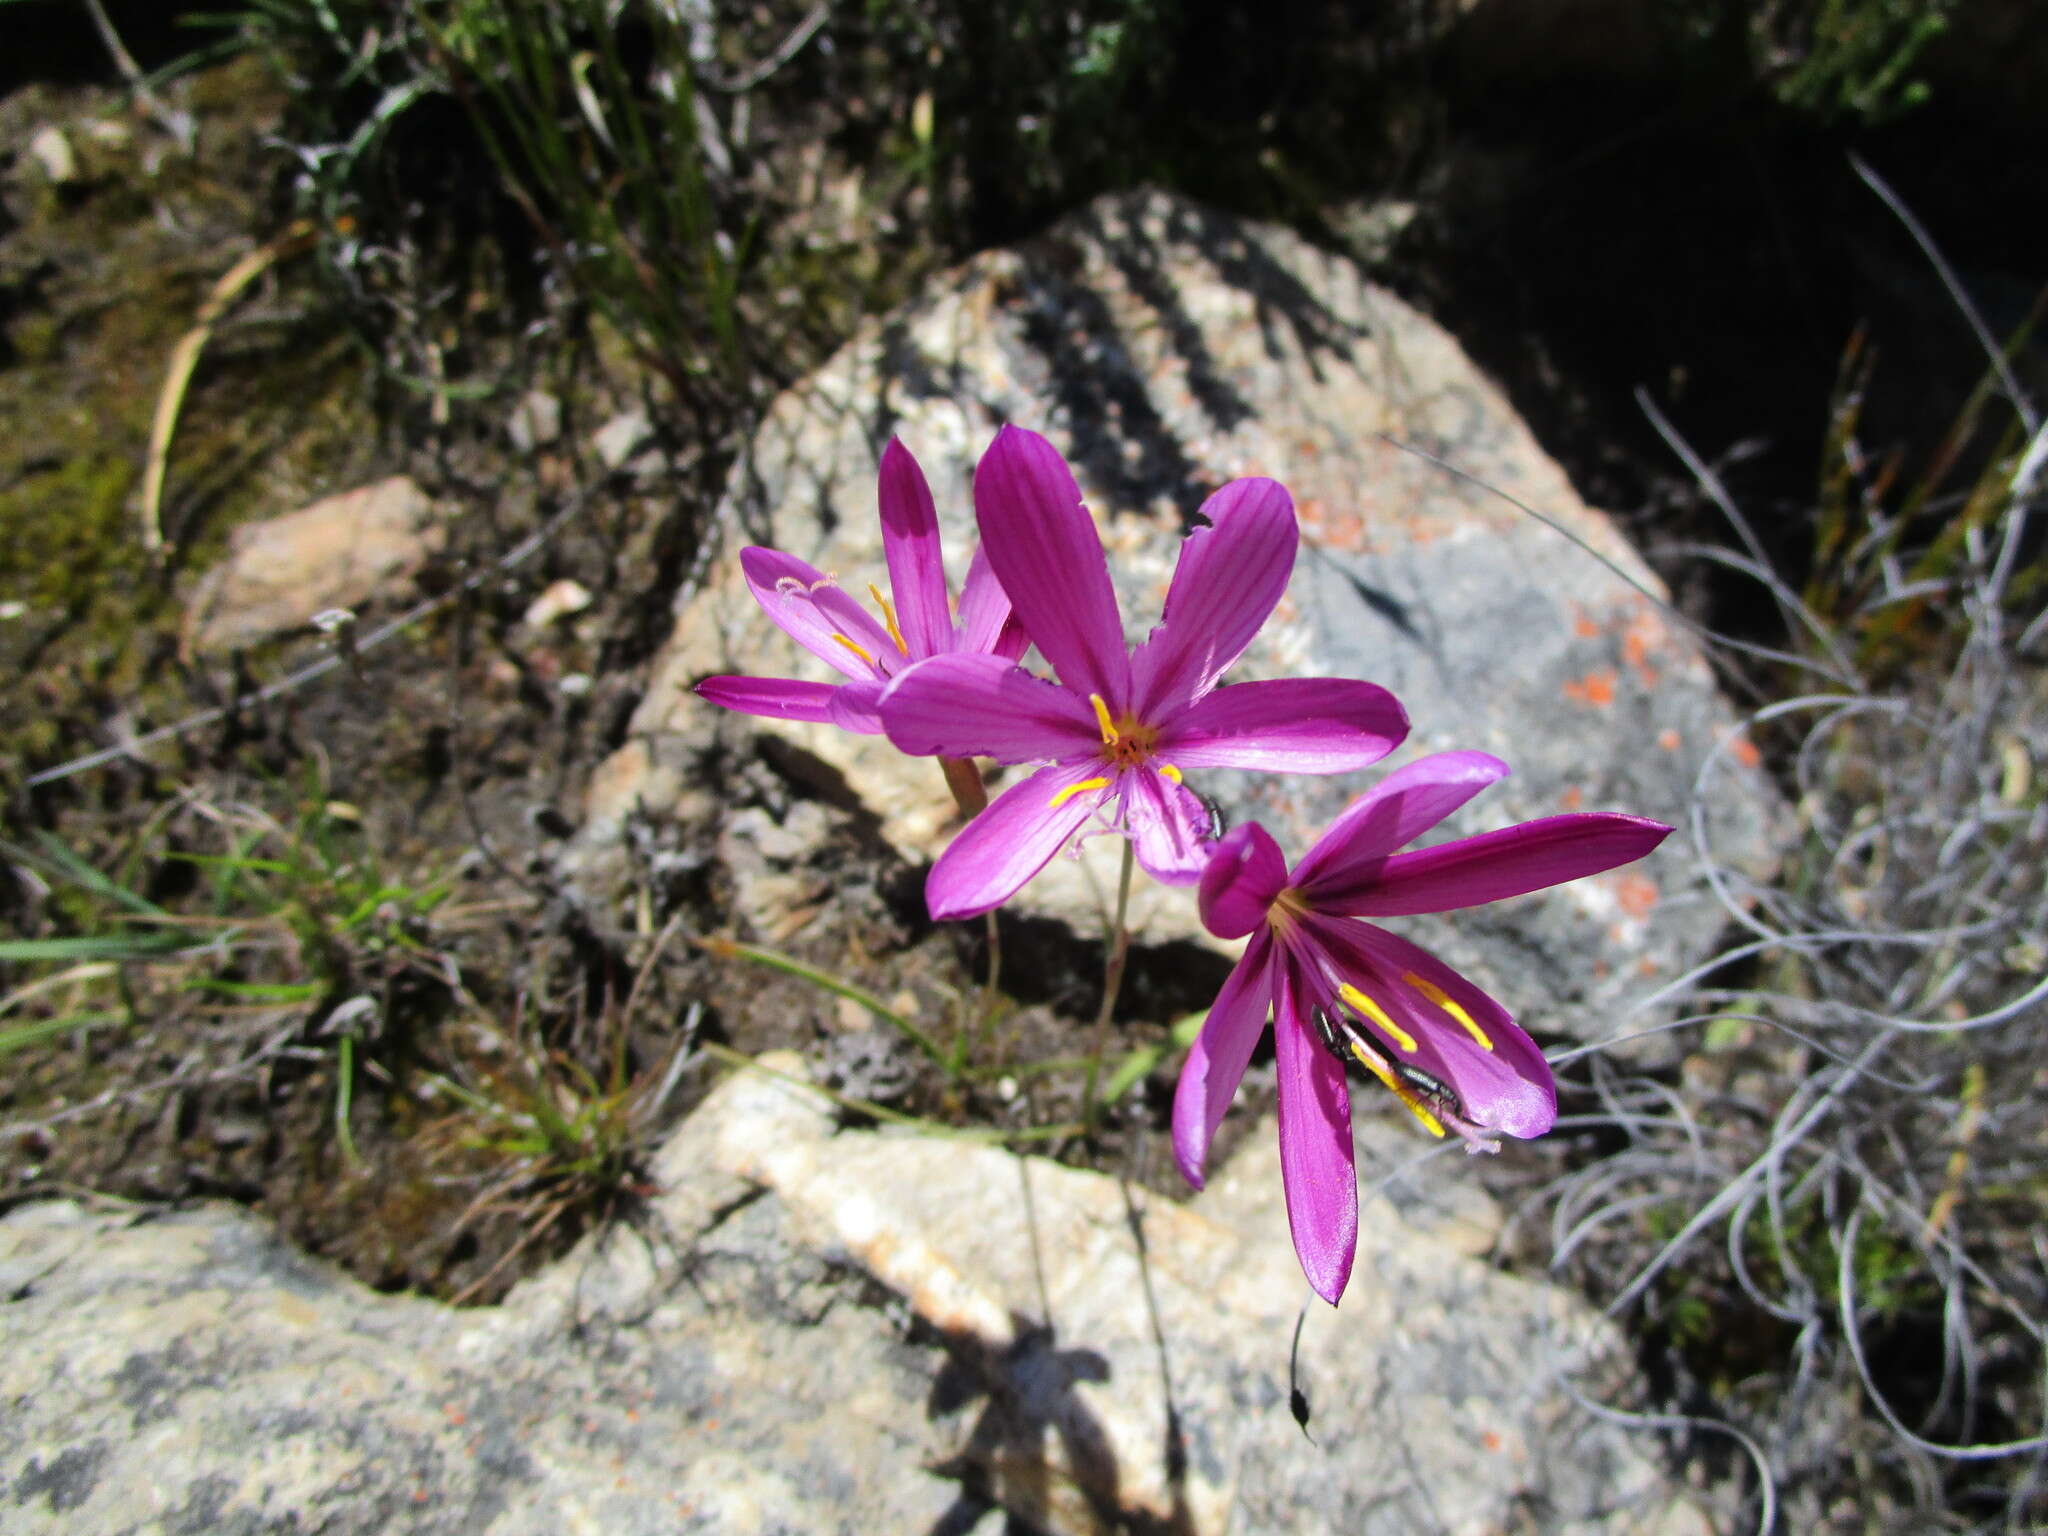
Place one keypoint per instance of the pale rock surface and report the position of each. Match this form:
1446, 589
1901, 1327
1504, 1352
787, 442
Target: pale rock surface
562, 599
1166, 349
337, 553
620, 438
535, 422
52, 152
816, 1332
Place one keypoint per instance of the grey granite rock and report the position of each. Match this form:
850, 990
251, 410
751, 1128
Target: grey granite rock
815, 1332
1167, 349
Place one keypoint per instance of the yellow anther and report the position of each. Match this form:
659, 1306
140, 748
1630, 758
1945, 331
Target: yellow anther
1170, 771
1102, 719
1443, 1000
1399, 1089
1072, 790
888, 617
857, 650
1378, 1015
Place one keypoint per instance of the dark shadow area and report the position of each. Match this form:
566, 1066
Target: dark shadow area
1047, 961
1678, 231
1030, 1401
1105, 401
1119, 439
55, 41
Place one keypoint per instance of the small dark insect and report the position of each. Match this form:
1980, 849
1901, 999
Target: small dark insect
1326, 1031
1417, 1088
1439, 1095
1218, 822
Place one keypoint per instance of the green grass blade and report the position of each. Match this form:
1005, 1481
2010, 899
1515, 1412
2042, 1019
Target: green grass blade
63, 862
830, 983
28, 1034
102, 946
260, 991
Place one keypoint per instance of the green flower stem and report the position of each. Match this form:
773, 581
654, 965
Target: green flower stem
1117, 947
964, 780
344, 1097
830, 983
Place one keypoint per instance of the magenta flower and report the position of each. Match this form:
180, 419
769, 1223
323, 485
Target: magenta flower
1339, 988
1121, 724
813, 611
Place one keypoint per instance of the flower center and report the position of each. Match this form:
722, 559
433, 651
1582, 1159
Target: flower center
1288, 908
1126, 743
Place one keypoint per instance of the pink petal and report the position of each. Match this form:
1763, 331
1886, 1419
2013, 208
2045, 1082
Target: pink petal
1246, 870
1228, 580
1316, 1167
986, 623
779, 698
1012, 643
811, 609
1167, 825
1291, 725
1397, 810
1009, 842
1509, 1088
854, 707
910, 542
965, 705
1043, 547
1493, 866
1217, 1060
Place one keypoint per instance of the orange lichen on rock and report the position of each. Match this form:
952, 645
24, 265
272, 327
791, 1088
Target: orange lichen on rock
1669, 739
1584, 625
1595, 688
1645, 635
1638, 895
1636, 649
1745, 752
1573, 797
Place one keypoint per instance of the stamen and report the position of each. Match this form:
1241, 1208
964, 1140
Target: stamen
1072, 790
789, 586
1399, 1089
1378, 1015
889, 617
1338, 1033
858, 651
1443, 1000
1102, 719
1170, 771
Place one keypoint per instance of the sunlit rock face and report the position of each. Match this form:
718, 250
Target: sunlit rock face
1167, 349
820, 1331
282, 573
